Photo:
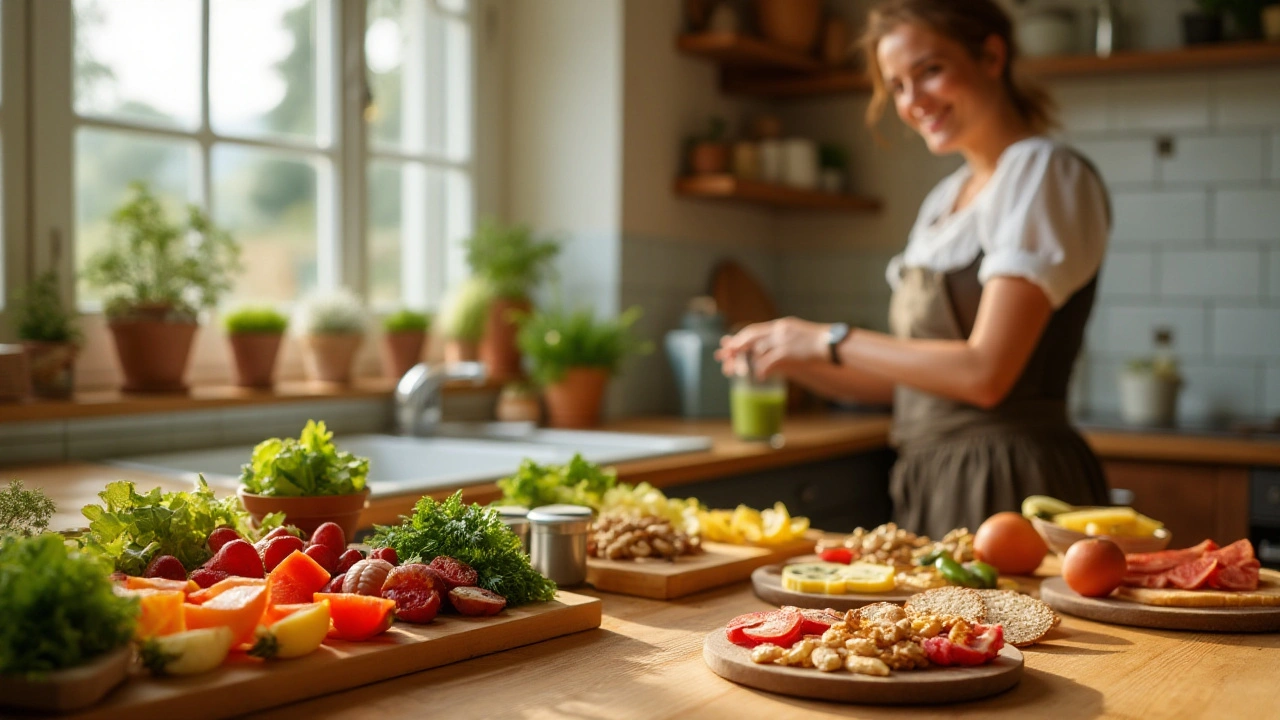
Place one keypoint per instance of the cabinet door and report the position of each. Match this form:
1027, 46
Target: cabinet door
1194, 501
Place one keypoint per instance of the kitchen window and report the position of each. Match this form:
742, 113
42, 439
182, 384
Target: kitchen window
333, 138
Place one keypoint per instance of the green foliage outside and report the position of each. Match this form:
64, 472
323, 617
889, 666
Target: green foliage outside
41, 314
310, 465
406, 320
58, 606
556, 340
466, 309
24, 512
262, 319
151, 263
510, 258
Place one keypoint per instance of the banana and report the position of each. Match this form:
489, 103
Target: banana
863, 577
1044, 507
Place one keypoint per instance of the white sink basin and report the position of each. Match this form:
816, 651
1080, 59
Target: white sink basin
400, 465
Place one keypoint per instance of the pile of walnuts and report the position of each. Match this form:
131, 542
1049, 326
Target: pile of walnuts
623, 536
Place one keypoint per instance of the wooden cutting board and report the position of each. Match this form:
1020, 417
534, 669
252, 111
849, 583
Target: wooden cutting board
909, 687
721, 564
1055, 592
1267, 594
244, 684
767, 583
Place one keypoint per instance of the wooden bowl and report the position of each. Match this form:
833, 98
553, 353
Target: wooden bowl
1059, 538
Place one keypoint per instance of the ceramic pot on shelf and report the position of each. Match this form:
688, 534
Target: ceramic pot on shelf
709, 158
153, 353
576, 400
52, 368
255, 357
498, 349
329, 358
401, 350
15, 377
793, 24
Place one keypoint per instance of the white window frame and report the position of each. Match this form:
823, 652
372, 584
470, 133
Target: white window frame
341, 256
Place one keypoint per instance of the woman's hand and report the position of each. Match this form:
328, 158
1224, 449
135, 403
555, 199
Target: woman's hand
774, 344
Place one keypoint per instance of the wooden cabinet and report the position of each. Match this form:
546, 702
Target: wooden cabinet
1194, 501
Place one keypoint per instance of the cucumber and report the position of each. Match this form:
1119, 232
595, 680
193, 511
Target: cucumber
823, 578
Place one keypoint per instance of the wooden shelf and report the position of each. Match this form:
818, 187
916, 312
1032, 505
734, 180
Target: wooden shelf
750, 66
728, 187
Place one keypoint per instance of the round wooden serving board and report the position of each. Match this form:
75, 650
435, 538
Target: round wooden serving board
767, 581
1055, 592
909, 687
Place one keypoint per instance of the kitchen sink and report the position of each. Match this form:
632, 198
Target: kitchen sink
461, 455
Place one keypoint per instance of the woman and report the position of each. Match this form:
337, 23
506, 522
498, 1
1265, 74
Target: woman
991, 295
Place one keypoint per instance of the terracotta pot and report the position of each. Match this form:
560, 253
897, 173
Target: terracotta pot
15, 373
52, 368
328, 358
793, 24
518, 407
709, 158
575, 401
456, 351
498, 349
153, 354
401, 351
255, 356
309, 513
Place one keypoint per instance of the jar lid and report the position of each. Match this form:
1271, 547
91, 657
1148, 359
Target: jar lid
566, 519
507, 512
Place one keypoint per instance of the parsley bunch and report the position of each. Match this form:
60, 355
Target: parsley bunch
476, 536
58, 606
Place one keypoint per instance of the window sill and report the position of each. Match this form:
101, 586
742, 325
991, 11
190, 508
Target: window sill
108, 403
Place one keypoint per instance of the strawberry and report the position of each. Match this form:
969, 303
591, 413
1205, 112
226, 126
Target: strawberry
278, 549
237, 558
266, 539
330, 535
347, 559
220, 536
327, 558
204, 577
335, 584
386, 553
165, 566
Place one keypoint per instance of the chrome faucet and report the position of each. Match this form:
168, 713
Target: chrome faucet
418, 396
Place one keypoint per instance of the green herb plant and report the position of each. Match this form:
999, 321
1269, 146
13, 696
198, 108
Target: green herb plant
476, 536
130, 528
58, 606
308, 466
465, 311
510, 258
154, 267
406, 320
556, 340
41, 314
832, 157
338, 312
577, 482
255, 319
24, 512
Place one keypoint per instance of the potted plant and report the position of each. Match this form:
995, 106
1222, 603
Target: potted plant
709, 153
48, 332
308, 479
254, 334
331, 327
833, 160
403, 333
793, 24
463, 318
572, 356
518, 402
512, 261
156, 276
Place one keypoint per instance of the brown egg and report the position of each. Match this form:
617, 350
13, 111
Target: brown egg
1009, 542
1093, 567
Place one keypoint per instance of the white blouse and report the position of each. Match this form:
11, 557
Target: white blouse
1043, 216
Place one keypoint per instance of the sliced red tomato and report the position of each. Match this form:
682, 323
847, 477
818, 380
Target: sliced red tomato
735, 627
982, 645
814, 622
780, 628
837, 555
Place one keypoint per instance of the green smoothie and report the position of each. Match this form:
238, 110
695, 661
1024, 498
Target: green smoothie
757, 411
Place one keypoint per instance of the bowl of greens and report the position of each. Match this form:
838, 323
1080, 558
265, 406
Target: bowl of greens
308, 479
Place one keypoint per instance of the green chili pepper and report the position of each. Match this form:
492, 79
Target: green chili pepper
955, 573
931, 558
984, 572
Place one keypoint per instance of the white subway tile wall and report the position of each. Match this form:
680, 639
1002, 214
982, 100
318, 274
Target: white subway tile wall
1196, 243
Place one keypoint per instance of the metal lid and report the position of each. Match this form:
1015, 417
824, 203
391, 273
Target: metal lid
506, 512
567, 519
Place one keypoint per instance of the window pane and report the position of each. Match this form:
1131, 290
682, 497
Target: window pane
265, 58
106, 162
419, 64
267, 200
387, 227
138, 60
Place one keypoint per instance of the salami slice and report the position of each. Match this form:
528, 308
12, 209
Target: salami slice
1167, 559
1243, 576
1239, 552
1194, 574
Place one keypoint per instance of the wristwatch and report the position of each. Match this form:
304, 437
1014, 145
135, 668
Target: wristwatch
836, 335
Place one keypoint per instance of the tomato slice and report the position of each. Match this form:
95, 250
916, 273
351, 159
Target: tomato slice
780, 628
837, 555
983, 645
735, 627
814, 621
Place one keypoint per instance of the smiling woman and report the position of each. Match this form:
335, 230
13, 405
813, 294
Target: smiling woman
992, 292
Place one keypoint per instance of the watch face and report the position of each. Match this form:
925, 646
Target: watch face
837, 333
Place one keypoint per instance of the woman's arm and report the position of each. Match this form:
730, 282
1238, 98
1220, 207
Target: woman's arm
841, 382
981, 371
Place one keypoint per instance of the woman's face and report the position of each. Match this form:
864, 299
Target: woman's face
939, 89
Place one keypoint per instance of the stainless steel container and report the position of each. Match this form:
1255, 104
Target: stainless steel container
558, 542
516, 518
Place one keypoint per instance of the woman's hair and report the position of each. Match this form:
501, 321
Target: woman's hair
968, 22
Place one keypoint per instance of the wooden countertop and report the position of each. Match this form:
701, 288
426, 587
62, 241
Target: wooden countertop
645, 661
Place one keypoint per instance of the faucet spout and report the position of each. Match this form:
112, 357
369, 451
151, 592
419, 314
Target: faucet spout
418, 393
